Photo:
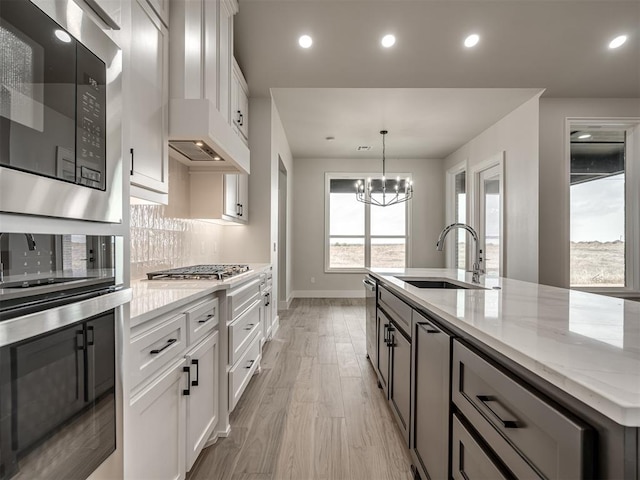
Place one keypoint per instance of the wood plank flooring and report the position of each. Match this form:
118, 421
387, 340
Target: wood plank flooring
315, 411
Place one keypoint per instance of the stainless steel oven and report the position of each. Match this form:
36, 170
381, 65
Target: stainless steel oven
60, 127
58, 327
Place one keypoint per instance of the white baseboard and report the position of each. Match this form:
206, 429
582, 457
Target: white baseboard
285, 304
275, 325
328, 293
218, 434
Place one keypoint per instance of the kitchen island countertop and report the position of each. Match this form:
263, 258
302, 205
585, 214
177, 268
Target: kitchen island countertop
585, 344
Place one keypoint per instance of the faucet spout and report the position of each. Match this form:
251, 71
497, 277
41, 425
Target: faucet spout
477, 264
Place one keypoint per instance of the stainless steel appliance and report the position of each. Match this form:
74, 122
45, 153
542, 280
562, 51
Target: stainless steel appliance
197, 272
60, 127
370, 326
57, 354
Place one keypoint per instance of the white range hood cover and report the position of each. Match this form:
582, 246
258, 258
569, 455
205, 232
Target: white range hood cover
198, 120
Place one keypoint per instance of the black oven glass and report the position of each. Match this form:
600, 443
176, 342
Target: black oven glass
52, 99
57, 402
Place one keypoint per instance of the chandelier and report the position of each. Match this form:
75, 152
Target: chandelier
383, 192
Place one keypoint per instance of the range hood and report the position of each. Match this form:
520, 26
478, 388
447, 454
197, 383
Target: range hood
200, 133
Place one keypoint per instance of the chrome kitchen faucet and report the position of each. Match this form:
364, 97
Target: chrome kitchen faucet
477, 270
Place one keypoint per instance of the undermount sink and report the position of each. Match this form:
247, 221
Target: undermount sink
439, 283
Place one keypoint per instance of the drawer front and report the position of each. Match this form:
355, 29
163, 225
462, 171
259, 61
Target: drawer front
240, 374
469, 460
396, 308
242, 331
530, 435
241, 298
153, 348
201, 319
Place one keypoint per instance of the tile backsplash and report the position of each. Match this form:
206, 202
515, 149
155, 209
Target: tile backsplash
159, 241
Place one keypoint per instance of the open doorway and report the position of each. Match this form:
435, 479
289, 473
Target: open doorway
282, 236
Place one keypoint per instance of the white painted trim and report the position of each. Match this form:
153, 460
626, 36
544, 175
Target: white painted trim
285, 304
328, 293
450, 214
275, 325
632, 199
497, 160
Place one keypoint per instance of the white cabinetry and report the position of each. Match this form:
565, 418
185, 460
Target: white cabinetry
219, 196
202, 403
146, 107
161, 7
108, 11
240, 103
245, 337
174, 398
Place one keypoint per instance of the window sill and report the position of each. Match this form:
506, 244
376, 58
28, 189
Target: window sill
618, 292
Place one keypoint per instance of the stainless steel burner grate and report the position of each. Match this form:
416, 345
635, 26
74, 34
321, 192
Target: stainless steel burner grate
194, 272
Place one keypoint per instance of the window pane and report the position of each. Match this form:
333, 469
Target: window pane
389, 220
346, 214
388, 252
597, 250
346, 252
460, 217
492, 225
597, 232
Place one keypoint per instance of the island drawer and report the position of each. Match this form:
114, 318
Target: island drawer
469, 460
395, 308
530, 434
156, 346
201, 319
242, 331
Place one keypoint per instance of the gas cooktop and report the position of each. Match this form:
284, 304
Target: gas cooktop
198, 272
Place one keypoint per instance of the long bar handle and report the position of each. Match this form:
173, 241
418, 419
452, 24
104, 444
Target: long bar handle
170, 342
485, 399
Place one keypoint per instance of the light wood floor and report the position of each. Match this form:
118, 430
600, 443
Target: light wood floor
315, 411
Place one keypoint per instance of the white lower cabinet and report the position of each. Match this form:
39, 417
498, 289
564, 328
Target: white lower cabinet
174, 404
202, 401
157, 428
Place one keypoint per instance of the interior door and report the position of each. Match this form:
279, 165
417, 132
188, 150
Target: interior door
490, 204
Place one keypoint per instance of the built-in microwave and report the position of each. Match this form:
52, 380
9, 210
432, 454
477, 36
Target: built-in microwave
60, 128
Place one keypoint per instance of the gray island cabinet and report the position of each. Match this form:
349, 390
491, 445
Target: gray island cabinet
511, 380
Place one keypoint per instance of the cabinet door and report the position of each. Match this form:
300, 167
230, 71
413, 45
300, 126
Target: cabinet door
202, 403
231, 204
243, 106
400, 381
156, 428
147, 105
243, 197
383, 350
431, 422
225, 59
161, 7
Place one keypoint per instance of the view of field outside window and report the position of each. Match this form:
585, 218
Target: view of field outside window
348, 239
460, 217
597, 251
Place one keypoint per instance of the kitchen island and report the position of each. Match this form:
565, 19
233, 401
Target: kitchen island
577, 351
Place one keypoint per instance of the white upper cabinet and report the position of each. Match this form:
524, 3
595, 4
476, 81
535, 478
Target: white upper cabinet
219, 196
236, 197
147, 104
161, 7
108, 11
240, 103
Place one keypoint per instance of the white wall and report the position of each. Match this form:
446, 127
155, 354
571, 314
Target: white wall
427, 219
280, 151
517, 135
554, 178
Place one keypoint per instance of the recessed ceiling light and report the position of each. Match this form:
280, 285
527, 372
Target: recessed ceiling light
199, 144
584, 136
388, 41
216, 158
63, 36
305, 41
618, 41
472, 40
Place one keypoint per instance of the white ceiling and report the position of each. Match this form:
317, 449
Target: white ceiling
422, 122
556, 45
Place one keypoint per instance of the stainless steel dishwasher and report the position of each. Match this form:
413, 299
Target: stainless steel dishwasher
370, 326
430, 449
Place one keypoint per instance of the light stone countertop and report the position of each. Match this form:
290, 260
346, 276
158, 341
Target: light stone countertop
585, 344
156, 297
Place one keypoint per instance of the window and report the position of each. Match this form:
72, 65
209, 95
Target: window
360, 235
457, 213
603, 205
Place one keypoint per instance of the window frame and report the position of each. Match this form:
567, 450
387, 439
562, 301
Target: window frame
367, 223
632, 202
450, 186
